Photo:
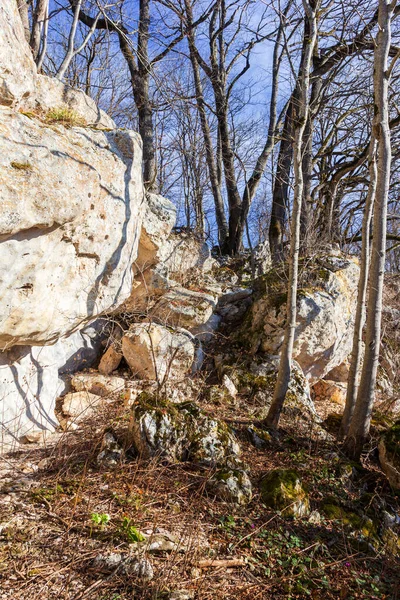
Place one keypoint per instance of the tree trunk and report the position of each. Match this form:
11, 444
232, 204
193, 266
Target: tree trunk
354, 370
212, 167
280, 197
144, 106
300, 119
24, 14
39, 16
228, 161
360, 423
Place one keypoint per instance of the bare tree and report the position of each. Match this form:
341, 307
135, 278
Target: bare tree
356, 354
301, 110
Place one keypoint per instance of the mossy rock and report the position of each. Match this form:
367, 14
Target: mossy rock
180, 432
282, 490
389, 454
391, 541
360, 524
231, 485
260, 438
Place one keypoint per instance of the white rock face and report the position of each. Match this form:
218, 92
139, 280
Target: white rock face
158, 221
69, 225
71, 210
325, 319
51, 93
154, 352
32, 377
17, 69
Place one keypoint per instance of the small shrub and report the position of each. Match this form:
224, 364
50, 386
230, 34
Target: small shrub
65, 116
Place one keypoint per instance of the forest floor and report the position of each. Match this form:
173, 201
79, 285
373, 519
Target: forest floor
59, 510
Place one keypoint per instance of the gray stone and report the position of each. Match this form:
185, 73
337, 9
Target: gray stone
231, 485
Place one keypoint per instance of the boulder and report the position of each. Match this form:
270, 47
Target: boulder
72, 202
33, 377
111, 452
72, 408
98, 384
282, 490
154, 352
69, 225
110, 360
389, 454
183, 255
325, 315
231, 485
184, 308
180, 432
330, 391
158, 220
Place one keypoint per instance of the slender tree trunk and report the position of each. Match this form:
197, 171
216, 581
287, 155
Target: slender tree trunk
228, 161
212, 167
300, 120
354, 371
307, 166
145, 109
360, 423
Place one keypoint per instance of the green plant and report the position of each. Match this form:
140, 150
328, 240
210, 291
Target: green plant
100, 519
227, 522
130, 532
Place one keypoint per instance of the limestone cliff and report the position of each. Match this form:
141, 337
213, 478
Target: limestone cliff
72, 204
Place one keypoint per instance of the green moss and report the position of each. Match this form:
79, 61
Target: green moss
282, 490
362, 525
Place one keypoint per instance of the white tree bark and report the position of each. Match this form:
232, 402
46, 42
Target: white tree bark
355, 365
360, 423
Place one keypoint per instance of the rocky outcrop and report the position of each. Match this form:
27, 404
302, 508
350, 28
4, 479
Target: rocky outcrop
168, 263
256, 382
17, 69
69, 225
72, 202
325, 315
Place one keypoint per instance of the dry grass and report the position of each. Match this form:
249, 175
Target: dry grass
48, 541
